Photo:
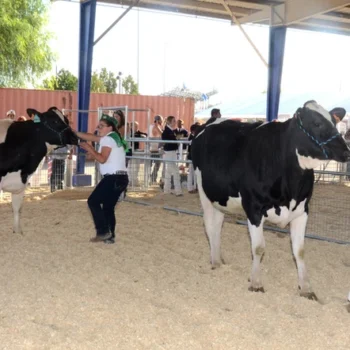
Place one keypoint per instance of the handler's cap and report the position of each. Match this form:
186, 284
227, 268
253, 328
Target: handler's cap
112, 120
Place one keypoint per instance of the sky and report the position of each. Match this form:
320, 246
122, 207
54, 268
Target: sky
202, 54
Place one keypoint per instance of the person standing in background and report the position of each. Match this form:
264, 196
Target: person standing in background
170, 155
155, 131
191, 178
11, 114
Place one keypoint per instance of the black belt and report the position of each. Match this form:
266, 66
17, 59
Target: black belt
119, 172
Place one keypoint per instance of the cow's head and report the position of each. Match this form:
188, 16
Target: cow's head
54, 127
317, 138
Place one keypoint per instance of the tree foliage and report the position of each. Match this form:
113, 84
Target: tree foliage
25, 53
64, 80
129, 85
103, 81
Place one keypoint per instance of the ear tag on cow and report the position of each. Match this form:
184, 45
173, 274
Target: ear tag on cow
36, 119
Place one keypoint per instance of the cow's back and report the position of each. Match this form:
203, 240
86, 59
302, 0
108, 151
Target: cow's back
4, 125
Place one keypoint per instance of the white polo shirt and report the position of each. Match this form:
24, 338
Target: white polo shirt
116, 159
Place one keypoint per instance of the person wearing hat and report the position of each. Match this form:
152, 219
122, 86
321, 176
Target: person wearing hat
214, 114
338, 114
111, 159
11, 114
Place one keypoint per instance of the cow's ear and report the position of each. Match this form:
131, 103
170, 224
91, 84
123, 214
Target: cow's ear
31, 112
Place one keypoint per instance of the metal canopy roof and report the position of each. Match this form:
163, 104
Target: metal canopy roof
320, 15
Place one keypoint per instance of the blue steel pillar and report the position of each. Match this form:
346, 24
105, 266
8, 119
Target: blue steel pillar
276, 54
87, 30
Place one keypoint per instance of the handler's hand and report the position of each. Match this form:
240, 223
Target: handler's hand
86, 146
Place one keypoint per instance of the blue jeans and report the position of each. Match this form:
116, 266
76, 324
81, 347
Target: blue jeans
103, 200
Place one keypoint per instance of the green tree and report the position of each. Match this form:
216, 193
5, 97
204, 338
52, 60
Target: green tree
129, 85
25, 53
64, 80
103, 81
97, 84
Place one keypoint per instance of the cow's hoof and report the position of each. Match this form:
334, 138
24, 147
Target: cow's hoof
348, 308
215, 265
309, 295
259, 289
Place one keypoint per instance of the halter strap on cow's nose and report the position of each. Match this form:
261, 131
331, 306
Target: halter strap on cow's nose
57, 132
320, 144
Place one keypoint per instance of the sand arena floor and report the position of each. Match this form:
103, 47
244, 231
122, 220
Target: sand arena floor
154, 289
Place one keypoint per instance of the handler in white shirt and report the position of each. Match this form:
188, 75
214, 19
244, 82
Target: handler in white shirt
111, 159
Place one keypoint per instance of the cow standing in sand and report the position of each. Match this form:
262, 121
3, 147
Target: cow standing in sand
268, 170
22, 147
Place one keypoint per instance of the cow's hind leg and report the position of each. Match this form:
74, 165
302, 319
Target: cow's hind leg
297, 230
258, 249
17, 200
213, 220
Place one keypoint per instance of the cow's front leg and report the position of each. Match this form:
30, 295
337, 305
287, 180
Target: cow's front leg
258, 249
297, 232
213, 220
17, 200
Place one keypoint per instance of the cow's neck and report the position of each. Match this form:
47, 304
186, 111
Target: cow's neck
303, 161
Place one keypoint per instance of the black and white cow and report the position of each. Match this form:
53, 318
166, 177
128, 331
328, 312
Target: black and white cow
266, 169
22, 147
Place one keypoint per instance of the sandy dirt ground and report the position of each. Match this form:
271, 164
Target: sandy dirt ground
154, 288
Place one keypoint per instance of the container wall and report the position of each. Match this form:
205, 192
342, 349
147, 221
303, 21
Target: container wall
21, 99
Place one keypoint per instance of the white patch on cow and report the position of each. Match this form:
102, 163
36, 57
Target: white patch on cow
200, 133
213, 220
215, 122
59, 113
319, 109
50, 148
297, 233
233, 205
287, 214
12, 182
309, 162
258, 248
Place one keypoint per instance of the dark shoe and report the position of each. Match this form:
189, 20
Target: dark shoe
101, 238
109, 241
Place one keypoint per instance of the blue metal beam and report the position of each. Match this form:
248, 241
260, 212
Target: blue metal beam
276, 54
87, 30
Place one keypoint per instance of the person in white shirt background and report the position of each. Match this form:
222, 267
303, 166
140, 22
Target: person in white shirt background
338, 115
11, 114
111, 159
155, 131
